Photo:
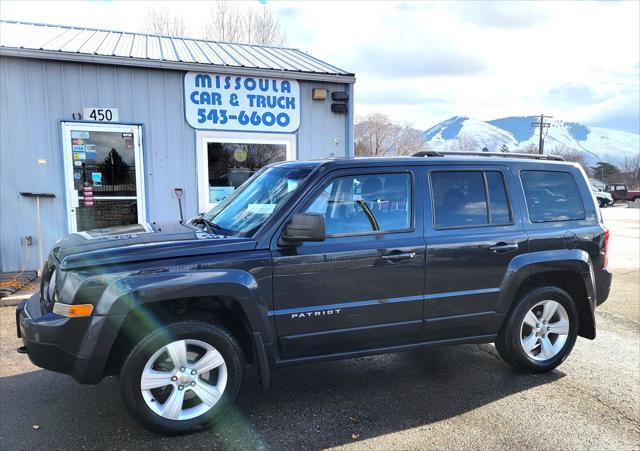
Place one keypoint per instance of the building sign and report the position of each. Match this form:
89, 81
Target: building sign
230, 102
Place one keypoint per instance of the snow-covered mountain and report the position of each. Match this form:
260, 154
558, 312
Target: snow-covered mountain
595, 143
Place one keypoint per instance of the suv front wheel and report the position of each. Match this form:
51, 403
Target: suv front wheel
540, 331
182, 377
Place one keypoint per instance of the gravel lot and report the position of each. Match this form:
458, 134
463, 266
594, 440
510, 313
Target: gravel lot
449, 398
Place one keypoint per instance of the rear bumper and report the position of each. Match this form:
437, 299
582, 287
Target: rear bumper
64, 345
603, 283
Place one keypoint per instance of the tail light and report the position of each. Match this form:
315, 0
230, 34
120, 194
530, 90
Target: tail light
606, 247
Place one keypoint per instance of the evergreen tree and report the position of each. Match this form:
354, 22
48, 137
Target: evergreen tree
605, 171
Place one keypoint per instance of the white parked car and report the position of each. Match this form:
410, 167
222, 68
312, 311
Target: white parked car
603, 198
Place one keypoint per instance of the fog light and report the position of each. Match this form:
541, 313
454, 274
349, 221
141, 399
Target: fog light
72, 311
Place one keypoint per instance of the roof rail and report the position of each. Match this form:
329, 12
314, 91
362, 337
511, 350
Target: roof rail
532, 156
428, 153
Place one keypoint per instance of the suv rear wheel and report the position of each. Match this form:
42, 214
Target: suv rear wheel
182, 377
540, 331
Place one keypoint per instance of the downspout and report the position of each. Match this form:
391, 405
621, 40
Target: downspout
349, 136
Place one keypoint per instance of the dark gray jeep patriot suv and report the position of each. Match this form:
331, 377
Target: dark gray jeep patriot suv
312, 261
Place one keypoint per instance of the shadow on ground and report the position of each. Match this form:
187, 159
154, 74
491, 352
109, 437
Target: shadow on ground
308, 407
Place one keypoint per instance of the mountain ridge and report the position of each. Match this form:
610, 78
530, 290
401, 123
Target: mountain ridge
517, 133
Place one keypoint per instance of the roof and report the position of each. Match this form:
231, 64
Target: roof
32, 40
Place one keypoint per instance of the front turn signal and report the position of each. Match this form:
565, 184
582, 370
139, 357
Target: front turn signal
73, 311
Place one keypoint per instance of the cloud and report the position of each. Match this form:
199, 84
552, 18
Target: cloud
407, 63
620, 113
510, 15
395, 96
425, 61
570, 94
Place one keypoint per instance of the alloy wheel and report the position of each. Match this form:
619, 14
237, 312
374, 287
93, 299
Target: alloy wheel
544, 330
183, 379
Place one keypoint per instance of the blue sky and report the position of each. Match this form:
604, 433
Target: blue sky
423, 62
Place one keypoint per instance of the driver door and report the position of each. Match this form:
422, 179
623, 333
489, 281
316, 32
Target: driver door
363, 286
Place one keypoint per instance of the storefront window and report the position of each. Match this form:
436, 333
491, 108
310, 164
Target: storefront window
231, 164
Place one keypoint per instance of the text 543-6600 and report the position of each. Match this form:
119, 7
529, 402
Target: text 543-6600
221, 117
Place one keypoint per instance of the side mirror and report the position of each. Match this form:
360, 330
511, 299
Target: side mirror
304, 227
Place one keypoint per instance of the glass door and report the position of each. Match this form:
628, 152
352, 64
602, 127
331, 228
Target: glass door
103, 175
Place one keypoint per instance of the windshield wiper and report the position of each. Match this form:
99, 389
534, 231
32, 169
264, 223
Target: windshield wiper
212, 226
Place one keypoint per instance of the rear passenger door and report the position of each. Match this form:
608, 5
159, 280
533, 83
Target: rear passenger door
473, 229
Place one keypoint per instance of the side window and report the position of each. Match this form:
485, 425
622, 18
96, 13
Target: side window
552, 196
365, 203
469, 199
499, 205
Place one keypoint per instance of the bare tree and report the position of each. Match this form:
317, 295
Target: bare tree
408, 140
631, 171
249, 24
463, 143
573, 155
529, 148
162, 21
262, 27
374, 135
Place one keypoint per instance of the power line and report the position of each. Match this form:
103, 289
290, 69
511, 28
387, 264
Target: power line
542, 124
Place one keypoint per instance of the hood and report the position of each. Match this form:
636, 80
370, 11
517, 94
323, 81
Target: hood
142, 242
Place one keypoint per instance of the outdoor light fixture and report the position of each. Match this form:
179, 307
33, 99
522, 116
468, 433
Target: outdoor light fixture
319, 93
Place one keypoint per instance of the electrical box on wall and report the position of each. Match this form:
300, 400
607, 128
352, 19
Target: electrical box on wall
340, 96
340, 99
340, 108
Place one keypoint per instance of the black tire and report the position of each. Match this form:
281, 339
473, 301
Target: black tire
509, 344
602, 203
133, 366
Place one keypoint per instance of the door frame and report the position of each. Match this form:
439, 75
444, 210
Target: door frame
204, 137
71, 197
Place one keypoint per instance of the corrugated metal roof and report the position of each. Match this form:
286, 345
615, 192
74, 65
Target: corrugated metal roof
138, 49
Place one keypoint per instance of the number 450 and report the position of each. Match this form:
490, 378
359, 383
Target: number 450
101, 115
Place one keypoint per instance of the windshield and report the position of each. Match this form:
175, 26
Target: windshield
244, 211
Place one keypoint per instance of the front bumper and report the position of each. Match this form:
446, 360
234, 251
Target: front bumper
65, 345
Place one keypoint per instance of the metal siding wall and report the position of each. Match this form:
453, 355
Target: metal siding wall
37, 94
319, 126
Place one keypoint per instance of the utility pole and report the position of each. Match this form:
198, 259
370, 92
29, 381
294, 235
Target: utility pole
542, 124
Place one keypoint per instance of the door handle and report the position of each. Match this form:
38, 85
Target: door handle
502, 248
400, 256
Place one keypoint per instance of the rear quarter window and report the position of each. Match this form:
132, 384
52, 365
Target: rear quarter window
552, 196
